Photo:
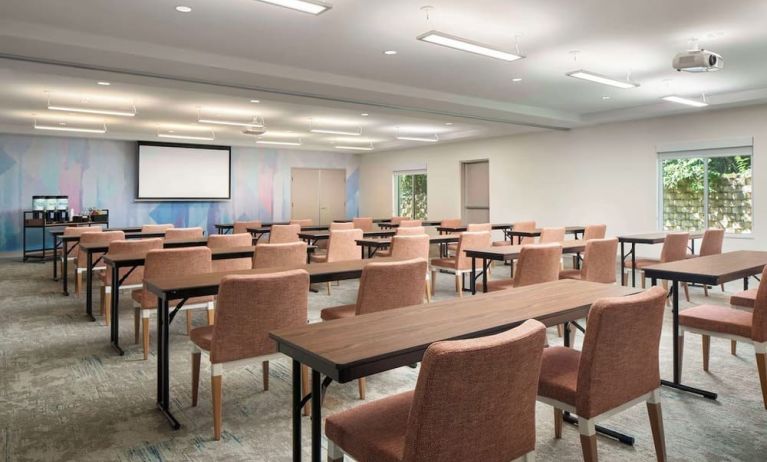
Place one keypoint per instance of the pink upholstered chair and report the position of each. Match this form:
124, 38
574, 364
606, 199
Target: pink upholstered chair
537, 263
713, 239
159, 228
336, 225
228, 241
594, 232
249, 307
183, 261
302, 222
549, 235
451, 223
398, 220
342, 246
97, 238
733, 324
471, 228
280, 255
474, 401
459, 264
403, 231
617, 368
384, 286
744, 298
520, 226
363, 223
674, 249
281, 234
134, 280
241, 227
599, 260
70, 251
183, 233
409, 247
409, 223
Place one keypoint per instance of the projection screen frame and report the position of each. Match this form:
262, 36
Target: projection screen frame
182, 199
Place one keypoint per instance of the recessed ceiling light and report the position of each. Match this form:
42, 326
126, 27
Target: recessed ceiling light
390, 52
183, 9
448, 123
304, 6
686, 101
364, 114
255, 101
105, 84
516, 79
605, 98
249, 121
458, 43
604, 80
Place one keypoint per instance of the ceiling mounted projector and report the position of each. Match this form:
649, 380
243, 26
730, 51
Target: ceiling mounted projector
698, 61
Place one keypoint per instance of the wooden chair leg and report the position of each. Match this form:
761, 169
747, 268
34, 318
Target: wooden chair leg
761, 365
106, 302
681, 353
265, 374
215, 385
328, 288
589, 447
722, 286
78, 282
102, 297
706, 350
733, 347
362, 386
686, 291
196, 355
642, 279
560, 331
433, 282
136, 324
188, 322
557, 423
705, 291
305, 387
663, 283
428, 291
658, 434
145, 334
459, 284
334, 452
211, 316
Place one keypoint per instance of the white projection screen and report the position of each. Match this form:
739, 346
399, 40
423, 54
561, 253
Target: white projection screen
183, 172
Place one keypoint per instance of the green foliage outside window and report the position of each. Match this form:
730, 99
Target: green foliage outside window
411, 195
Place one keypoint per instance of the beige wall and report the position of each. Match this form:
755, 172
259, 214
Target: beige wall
601, 174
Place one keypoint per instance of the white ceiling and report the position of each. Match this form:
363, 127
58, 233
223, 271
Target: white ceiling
318, 66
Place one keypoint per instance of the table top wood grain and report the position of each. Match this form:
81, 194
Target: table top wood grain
712, 269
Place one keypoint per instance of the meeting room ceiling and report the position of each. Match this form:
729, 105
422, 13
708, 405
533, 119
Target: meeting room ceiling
333, 65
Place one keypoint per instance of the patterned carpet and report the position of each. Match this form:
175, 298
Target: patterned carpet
64, 394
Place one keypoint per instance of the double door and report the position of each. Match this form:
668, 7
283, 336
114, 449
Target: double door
318, 193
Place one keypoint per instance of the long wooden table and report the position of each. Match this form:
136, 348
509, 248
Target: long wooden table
711, 270
57, 235
519, 234
348, 349
506, 253
650, 239
179, 288
372, 245
389, 224
312, 237
227, 228
258, 233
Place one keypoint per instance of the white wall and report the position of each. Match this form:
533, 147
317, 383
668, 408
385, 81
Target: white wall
600, 174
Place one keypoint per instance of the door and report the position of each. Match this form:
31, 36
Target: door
332, 195
319, 194
476, 192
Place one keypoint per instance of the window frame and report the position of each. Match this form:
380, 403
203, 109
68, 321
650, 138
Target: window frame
395, 188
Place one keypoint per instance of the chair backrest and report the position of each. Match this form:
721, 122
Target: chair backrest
525, 226
409, 223
342, 245
223, 241
183, 233
538, 263
410, 230
470, 240
407, 247
248, 307
79, 231
619, 361
594, 232
363, 223
241, 227
280, 255
128, 247
302, 222
496, 378
674, 247
102, 238
713, 239
549, 235
281, 234
472, 227
183, 261
759, 320
451, 223
341, 225
398, 220
599, 260
389, 285
156, 228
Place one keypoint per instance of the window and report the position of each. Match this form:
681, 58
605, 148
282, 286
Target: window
709, 188
410, 191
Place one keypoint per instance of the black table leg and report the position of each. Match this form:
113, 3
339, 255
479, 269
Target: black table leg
55, 258
633, 264
745, 283
89, 284
297, 390
623, 259
485, 266
473, 275
163, 362
316, 416
115, 312
65, 270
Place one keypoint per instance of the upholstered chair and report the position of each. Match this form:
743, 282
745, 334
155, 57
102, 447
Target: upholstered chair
451, 223
713, 239
384, 286
280, 234
134, 280
594, 232
185, 261
599, 260
537, 263
228, 241
617, 368
674, 249
471, 228
289, 254
398, 220
71, 250
403, 231
342, 246
249, 307
241, 227
549, 235
363, 223
156, 228
733, 324
409, 247
184, 233
519, 226
459, 264
97, 238
302, 222
474, 401
409, 223
336, 225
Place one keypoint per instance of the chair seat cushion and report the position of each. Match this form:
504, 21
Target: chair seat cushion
641, 262
559, 374
319, 258
443, 262
372, 431
151, 303
720, 319
570, 274
338, 312
202, 337
745, 298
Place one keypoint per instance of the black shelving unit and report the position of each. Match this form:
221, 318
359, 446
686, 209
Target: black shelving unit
37, 219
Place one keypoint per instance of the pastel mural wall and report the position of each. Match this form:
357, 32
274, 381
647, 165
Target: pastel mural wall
102, 173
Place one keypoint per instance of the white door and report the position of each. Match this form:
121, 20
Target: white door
476, 192
332, 195
319, 194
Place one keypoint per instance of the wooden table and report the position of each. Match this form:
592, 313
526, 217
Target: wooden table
462, 228
389, 224
258, 233
373, 245
647, 238
711, 270
506, 253
312, 237
348, 349
200, 285
58, 233
519, 234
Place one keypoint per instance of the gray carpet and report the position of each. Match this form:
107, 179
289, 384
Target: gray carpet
64, 394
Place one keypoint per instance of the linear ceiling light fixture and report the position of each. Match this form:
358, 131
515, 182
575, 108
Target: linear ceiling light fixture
304, 6
71, 127
604, 80
87, 106
424, 139
254, 122
280, 143
185, 134
686, 101
333, 131
347, 147
458, 43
